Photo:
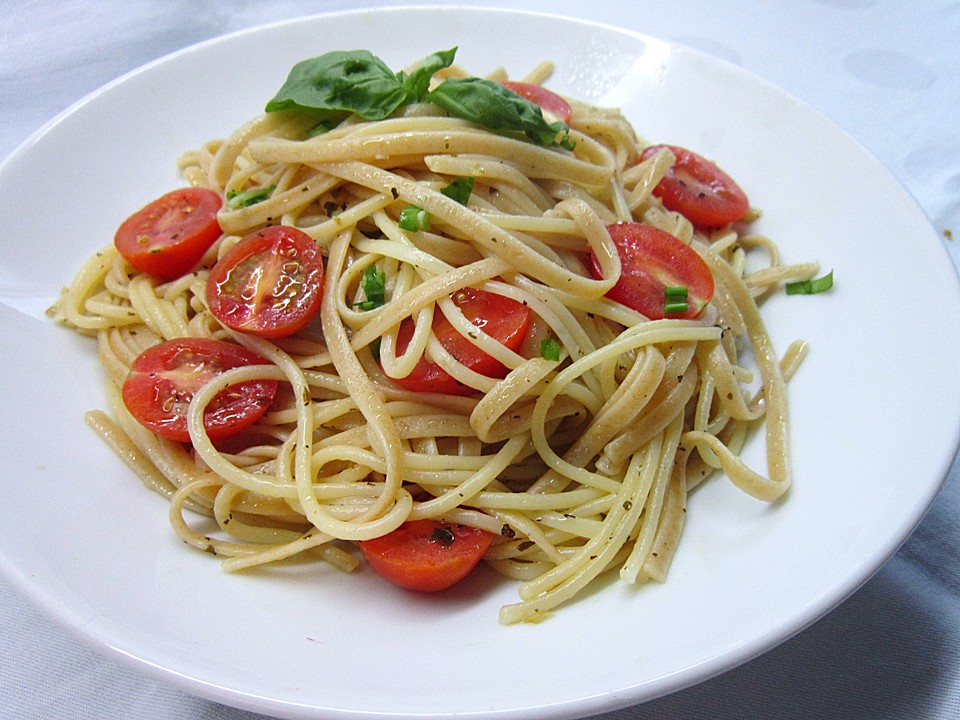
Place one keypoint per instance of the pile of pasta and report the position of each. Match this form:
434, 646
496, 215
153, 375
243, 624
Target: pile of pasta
579, 466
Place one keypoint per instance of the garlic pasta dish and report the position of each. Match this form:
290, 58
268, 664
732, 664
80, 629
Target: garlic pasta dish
421, 320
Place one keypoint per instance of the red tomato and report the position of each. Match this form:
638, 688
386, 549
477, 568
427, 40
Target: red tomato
426, 555
698, 189
164, 378
167, 237
650, 261
268, 284
500, 317
548, 100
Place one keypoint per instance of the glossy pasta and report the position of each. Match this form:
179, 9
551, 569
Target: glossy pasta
579, 466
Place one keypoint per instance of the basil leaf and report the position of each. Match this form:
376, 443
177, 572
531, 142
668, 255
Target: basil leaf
346, 82
498, 109
341, 83
417, 83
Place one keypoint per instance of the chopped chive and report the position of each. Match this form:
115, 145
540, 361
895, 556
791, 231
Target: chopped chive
671, 308
812, 286
246, 198
459, 189
374, 285
414, 218
550, 349
675, 293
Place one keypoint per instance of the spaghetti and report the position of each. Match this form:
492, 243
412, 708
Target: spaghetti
578, 461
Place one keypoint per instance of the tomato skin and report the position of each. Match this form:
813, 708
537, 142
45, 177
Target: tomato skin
651, 260
502, 318
167, 237
164, 378
698, 189
269, 284
548, 100
426, 555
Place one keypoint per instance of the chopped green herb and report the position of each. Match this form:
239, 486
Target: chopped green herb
812, 286
373, 283
414, 218
246, 198
550, 349
672, 308
460, 189
675, 293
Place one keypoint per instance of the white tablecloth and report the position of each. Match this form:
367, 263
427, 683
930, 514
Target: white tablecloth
887, 72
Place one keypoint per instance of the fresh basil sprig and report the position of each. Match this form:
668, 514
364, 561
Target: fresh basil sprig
342, 83
356, 82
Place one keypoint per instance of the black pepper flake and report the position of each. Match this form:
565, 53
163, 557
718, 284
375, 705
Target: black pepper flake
627, 505
395, 193
443, 535
525, 545
507, 531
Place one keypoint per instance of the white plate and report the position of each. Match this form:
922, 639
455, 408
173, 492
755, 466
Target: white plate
875, 408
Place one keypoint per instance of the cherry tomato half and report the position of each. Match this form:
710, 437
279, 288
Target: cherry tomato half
167, 237
268, 284
500, 317
698, 189
650, 261
548, 100
164, 378
426, 555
